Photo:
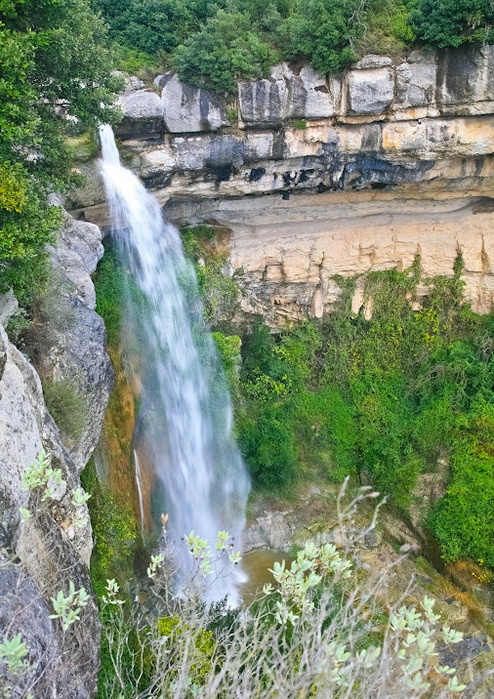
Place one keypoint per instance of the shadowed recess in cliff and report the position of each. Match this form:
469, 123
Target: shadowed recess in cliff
185, 415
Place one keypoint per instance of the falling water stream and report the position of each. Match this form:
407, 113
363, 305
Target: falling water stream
185, 414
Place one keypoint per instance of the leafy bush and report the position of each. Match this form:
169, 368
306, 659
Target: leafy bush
320, 630
383, 399
443, 23
324, 31
223, 51
67, 406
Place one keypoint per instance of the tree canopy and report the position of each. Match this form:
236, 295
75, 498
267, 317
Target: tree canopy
445, 23
55, 73
216, 42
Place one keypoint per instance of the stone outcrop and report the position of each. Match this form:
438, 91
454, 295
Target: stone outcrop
41, 555
187, 109
142, 112
67, 341
412, 137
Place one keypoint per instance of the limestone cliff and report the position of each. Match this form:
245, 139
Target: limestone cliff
40, 555
399, 156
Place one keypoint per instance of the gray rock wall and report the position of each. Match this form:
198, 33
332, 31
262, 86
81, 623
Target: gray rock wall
414, 137
425, 119
41, 555
452, 82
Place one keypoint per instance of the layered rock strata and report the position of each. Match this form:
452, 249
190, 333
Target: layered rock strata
404, 135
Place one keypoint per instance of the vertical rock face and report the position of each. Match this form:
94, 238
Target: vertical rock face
370, 91
41, 555
187, 108
69, 344
416, 132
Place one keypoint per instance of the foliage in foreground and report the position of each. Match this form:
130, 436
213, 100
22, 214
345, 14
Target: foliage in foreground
320, 632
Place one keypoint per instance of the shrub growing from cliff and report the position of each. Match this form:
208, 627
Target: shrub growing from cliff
382, 400
223, 51
67, 406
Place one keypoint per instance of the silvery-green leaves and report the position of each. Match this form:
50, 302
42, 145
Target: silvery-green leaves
68, 607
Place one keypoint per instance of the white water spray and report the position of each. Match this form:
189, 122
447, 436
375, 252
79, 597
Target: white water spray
185, 417
139, 492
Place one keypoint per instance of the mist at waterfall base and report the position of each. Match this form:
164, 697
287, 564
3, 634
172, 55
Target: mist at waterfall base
185, 415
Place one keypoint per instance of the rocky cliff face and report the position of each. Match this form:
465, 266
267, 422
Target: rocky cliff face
40, 555
399, 156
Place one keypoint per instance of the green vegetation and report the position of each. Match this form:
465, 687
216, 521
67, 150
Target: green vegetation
114, 532
67, 406
54, 69
443, 23
219, 291
109, 284
321, 630
214, 44
382, 399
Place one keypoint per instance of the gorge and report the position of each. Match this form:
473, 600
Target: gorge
345, 224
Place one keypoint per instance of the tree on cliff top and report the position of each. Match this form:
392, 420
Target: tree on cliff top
444, 23
54, 71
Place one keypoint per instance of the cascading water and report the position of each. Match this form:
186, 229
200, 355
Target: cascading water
185, 415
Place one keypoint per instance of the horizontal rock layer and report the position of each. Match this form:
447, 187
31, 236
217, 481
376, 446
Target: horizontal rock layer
417, 135
452, 82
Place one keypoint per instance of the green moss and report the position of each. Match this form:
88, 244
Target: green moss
114, 532
109, 283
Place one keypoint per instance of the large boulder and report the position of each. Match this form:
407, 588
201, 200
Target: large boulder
188, 109
416, 80
142, 115
220, 154
369, 91
311, 96
263, 103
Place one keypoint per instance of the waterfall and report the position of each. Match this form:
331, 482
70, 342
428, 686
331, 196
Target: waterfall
139, 492
185, 413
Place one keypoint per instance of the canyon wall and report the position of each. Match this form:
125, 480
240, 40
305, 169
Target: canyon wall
317, 176
43, 553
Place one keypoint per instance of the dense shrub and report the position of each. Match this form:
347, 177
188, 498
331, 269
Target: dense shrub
223, 51
51, 53
325, 31
383, 399
444, 23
